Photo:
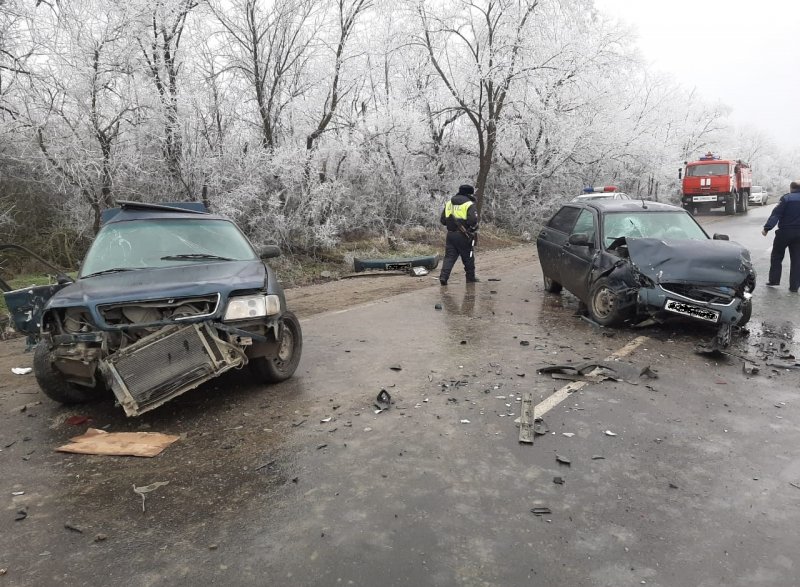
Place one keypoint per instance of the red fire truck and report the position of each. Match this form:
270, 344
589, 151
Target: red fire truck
712, 182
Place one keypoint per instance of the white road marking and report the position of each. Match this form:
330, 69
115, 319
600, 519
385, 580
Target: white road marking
559, 396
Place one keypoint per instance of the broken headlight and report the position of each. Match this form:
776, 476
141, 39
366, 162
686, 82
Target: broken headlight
244, 307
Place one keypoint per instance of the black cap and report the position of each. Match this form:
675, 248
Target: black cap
465, 190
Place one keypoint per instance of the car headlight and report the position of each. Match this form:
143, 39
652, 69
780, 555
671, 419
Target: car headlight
244, 307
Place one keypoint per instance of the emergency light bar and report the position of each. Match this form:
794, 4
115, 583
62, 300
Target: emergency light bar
709, 157
599, 189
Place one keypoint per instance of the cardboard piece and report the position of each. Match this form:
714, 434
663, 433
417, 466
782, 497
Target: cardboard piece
131, 444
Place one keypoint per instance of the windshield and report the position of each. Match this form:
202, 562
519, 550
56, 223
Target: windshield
141, 244
677, 225
710, 169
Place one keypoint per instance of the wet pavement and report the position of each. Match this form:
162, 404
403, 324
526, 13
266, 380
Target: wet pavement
303, 483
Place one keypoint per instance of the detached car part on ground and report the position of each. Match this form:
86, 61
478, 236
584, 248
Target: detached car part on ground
167, 298
629, 261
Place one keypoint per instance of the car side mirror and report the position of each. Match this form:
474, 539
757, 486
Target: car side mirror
580, 239
270, 252
721, 237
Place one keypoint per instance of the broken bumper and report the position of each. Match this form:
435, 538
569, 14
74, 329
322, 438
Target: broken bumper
659, 300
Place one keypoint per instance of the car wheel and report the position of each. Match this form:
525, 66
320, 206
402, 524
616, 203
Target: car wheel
283, 365
52, 382
747, 311
603, 304
551, 286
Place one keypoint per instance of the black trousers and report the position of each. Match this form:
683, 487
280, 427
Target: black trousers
458, 245
785, 238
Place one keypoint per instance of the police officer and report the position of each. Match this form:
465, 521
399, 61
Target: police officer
787, 216
461, 219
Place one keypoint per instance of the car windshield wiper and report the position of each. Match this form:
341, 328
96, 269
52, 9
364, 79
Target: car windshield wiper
200, 256
104, 271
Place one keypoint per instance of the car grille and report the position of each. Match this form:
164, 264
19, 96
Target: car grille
715, 295
161, 366
145, 312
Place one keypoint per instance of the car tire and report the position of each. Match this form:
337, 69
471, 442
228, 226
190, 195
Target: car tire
283, 365
730, 205
747, 312
551, 286
744, 202
602, 304
52, 382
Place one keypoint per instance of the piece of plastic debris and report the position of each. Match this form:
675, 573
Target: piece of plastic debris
77, 420
540, 428
17, 493
558, 480
609, 433
563, 460
72, 527
540, 511
464, 421
597, 457
568, 434
367, 429
524, 342
21, 515
325, 420
21, 370
673, 486
438, 306
383, 401
145, 489
396, 367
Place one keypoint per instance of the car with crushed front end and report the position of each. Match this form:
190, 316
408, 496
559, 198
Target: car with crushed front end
629, 261
168, 297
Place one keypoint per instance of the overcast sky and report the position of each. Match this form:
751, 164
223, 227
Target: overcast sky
745, 53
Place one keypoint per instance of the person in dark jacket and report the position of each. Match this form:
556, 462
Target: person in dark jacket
787, 217
460, 216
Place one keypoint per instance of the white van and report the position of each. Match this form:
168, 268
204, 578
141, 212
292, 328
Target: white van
758, 195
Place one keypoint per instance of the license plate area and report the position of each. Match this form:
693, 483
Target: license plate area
704, 199
692, 311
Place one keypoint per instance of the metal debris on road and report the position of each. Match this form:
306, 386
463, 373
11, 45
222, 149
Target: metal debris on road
568, 434
540, 511
540, 427
609, 433
145, 489
527, 419
563, 460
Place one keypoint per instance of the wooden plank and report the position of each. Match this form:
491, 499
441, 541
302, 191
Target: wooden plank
526, 419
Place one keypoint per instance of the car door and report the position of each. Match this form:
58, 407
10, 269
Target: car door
576, 260
553, 237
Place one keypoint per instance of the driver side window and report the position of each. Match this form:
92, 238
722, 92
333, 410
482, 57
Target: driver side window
585, 224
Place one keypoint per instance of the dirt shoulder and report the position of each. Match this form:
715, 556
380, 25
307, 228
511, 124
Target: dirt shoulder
336, 295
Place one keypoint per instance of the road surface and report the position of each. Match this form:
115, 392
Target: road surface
690, 478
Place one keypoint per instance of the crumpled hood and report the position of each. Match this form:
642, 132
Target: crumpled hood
701, 262
169, 282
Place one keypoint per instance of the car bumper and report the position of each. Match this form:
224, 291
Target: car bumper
660, 301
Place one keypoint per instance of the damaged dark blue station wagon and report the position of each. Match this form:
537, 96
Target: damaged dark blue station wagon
168, 297
633, 260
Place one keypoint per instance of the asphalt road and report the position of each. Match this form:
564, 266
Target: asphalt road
688, 479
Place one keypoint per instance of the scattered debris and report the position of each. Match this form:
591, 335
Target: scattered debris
540, 511
595, 372
396, 367
558, 480
145, 489
794, 485
494, 279
563, 460
326, 420
73, 528
526, 419
540, 427
609, 433
134, 444
21, 515
598, 457
384, 400
465, 421
524, 343
437, 307
568, 434
16, 493
21, 370
101, 537
321, 446
673, 486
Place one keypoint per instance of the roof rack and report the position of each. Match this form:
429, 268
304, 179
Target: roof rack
191, 207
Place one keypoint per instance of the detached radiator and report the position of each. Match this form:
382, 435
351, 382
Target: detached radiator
166, 364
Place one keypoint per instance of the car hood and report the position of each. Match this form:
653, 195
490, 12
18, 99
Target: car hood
707, 262
169, 282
